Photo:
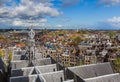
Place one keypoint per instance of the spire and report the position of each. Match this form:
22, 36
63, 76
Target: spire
31, 42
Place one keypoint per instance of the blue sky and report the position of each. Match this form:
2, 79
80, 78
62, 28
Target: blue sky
90, 14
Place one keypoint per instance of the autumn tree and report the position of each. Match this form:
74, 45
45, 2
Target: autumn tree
116, 64
2, 54
10, 57
76, 40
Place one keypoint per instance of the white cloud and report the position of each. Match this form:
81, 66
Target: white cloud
108, 3
42, 1
43, 20
115, 22
114, 19
18, 15
17, 23
29, 10
108, 24
28, 23
111, 23
59, 26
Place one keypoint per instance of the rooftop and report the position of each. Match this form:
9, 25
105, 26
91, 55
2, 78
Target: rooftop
47, 77
93, 70
16, 64
105, 78
33, 70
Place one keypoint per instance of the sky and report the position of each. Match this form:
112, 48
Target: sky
60, 14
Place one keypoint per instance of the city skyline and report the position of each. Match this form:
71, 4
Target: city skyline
64, 14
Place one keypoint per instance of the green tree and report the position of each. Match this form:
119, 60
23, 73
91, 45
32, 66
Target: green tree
80, 63
116, 65
10, 57
2, 37
76, 40
112, 35
2, 53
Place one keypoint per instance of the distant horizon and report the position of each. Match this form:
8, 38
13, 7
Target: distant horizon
64, 29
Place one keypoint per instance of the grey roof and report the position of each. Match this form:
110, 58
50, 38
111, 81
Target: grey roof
17, 64
46, 77
19, 52
85, 44
23, 57
37, 70
31, 78
21, 72
38, 56
105, 78
93, 70
69, 81
47, 68
44, 61
17, 57
54, 76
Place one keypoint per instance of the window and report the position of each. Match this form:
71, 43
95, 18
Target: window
61, 79
54, 69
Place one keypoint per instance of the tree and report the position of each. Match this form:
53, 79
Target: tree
10, 57
2, 37
76, 40
112, 35
85, 39
2, 53
80, 63
116, 64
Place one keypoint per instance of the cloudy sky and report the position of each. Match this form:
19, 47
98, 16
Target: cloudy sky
67, 14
